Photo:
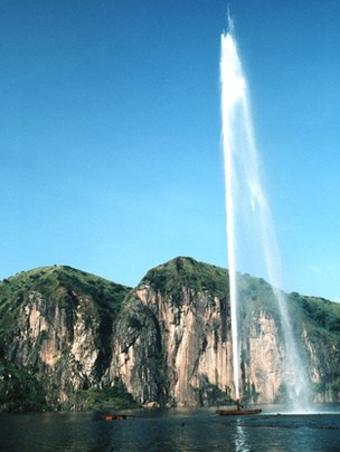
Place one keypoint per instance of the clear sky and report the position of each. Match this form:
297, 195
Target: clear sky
110, 133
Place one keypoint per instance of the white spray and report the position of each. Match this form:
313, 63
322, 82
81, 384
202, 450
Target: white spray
248, 213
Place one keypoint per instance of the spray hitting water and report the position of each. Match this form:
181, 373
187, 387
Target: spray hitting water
249, 217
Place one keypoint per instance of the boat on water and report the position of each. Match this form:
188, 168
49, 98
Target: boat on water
238, 412
114, 417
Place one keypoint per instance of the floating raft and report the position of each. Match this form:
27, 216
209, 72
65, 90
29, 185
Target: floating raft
238, 412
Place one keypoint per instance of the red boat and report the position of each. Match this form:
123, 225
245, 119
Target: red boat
114, 417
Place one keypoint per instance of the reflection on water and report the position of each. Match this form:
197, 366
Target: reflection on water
241, 439
171, 430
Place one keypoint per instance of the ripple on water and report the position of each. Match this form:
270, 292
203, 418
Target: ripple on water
194, 430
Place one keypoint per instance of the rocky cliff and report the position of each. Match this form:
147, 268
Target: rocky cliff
173, 341
71, 340
56, 330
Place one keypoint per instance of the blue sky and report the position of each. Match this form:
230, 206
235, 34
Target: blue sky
110, 133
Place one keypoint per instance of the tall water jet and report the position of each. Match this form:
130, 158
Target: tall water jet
249, 217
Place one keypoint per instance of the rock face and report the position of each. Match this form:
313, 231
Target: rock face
182, 357
173, 343
59, 326
167, 342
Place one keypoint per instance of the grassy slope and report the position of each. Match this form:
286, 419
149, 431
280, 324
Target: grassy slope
171, 277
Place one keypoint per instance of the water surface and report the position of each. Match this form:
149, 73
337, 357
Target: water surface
172, 430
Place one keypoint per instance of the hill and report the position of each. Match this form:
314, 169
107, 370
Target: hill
73, 340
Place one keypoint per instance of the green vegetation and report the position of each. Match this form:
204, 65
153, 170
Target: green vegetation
108, 398
316, 317
323, 313
57, 284
34, 388
282, 396
335, 386
171, 277
19, 390
51, 287
210, 394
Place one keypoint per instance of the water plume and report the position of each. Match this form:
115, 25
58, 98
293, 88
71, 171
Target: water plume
249, 217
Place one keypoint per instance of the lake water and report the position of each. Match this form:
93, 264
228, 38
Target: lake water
173, 430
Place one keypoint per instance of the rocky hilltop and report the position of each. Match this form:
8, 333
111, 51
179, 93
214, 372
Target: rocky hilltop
72, 340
